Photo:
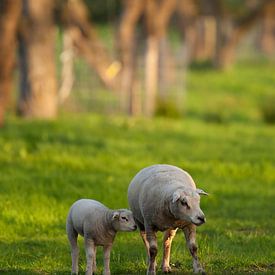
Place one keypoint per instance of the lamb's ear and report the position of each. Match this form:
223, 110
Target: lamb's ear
115, 215
176, 196
201, 192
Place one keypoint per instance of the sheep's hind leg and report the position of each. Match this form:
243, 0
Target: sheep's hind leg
167, 242
90, 255
153, 250
190, 236
72, 237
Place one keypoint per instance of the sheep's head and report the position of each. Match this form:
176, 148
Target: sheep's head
185, 206
123, 220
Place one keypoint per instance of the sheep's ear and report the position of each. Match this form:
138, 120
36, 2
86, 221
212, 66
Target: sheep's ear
115, 215
176, 196
201, 192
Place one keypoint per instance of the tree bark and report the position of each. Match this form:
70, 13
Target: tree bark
267, 35
188, 24
67, 71
130, 99
87, 43
227, 41
9, 17
38, 87
158, 14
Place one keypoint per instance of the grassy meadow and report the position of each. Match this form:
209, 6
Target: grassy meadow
221, 141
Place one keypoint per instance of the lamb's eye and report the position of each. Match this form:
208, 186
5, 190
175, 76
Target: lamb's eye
124, 218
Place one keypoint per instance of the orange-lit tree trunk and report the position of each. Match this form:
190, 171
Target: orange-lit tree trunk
267, 34
38, 87
9, 16
189, 14
130, 99
158, 14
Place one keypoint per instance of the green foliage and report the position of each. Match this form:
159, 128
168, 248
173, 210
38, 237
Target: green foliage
268, 109
46, 166
103, 10
167, 107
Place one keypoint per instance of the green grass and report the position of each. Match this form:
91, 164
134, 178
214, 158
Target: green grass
221, 141
235, 95
45, 166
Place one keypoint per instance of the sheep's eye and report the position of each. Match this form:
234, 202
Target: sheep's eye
124, 218
184, 203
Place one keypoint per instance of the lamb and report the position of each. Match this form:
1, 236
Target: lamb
164, 198
99, 225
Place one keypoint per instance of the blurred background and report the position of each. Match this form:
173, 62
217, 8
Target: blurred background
211, 59
93, 91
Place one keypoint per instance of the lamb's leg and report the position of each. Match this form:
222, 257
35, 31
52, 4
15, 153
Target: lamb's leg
89, 248
153, 249
94, 260
167, 241
190, 236
72, 237
107, 252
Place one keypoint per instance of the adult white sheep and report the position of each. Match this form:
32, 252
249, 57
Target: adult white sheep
99, 225
164, 198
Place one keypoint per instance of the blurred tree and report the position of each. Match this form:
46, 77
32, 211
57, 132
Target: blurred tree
188, 11
38, 86
267, 31
231, 27
87, 43
9, 17
157, 16
103, 11
132, 11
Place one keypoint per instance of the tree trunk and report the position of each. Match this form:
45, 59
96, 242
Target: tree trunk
188, 12
87, 43
158, 14
151, 74
229, 38
67, 71
204, 47
38, 87
9, 16
130, 99
267, 36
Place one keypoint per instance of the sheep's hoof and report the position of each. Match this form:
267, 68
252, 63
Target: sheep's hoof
151, 272
166, 269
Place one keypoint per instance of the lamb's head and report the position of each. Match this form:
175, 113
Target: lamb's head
123, 220
185, 205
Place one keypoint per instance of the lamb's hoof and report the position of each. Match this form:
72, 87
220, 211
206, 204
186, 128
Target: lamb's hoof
166, 269
200, 270
151, 272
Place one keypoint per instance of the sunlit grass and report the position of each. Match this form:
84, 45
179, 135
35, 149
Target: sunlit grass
46, 166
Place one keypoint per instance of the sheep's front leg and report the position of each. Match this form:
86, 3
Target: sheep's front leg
146, 243
90, 256
107, 252
153, 250
190, 236
167, 241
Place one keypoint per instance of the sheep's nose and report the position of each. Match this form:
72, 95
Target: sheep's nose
202, 219
135, 227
